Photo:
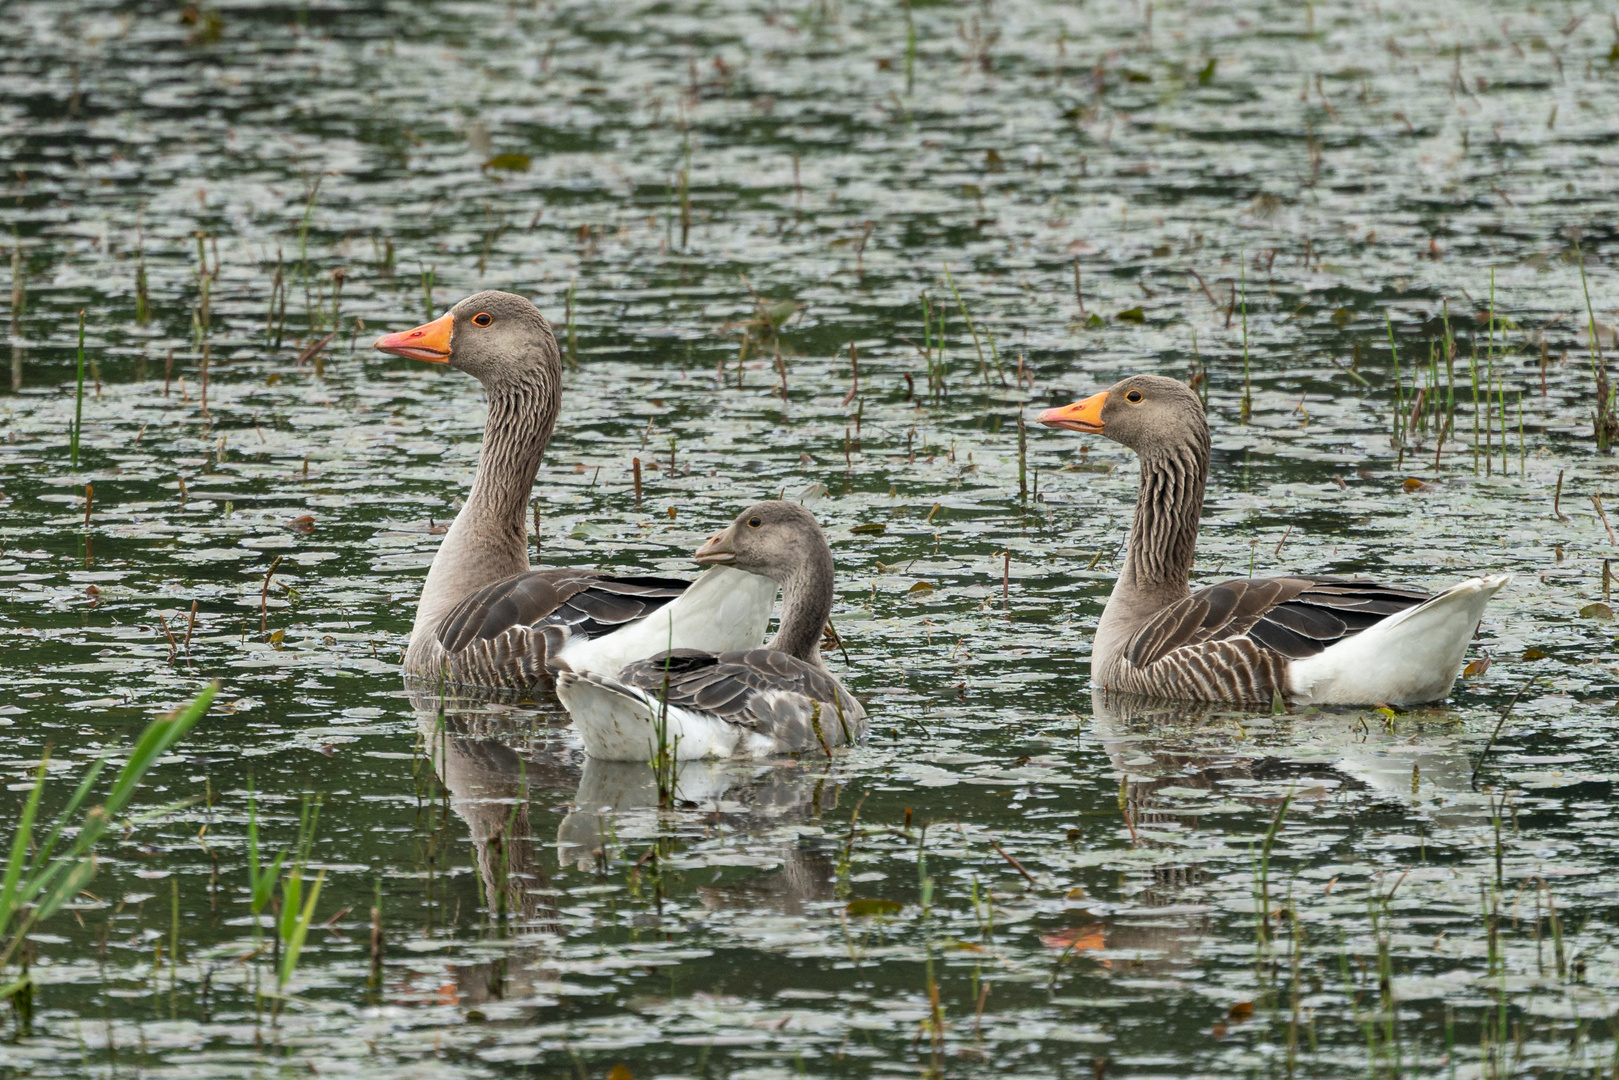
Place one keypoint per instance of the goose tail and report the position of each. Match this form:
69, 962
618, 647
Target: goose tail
1408, 658
621, 723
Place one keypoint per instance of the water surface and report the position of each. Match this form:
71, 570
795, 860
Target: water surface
1082, 886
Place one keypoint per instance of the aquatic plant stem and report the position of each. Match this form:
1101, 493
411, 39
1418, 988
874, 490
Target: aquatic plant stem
1247, 386
1598, 365
78, 400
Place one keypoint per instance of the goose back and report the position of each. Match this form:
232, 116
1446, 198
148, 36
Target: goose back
1234, 641
509, 633
793, 704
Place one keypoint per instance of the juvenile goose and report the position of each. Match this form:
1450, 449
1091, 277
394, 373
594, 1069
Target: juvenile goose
780, 699
1300, 639
485, 619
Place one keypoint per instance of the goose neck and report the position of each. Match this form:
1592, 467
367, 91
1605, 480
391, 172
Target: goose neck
1163, 536
521, 416
488, 540
806, 605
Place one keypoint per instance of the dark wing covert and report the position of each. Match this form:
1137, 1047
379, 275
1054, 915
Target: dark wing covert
1294, 617
580, 601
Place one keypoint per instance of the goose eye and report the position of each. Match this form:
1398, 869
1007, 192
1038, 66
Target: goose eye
1133, 396
482, 319
754, 523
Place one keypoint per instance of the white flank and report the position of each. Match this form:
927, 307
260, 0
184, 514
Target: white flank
1409, 657
619, 723
724, 609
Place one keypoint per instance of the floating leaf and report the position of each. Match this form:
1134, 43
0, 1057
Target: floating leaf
303, 523
1342, 316
1533, 653
1594, 611
1136, 76
875, 528
1134, 314
1089, 937
1242, 1010
873, 907
1412, 485
587, 530
920, 587
810, 493
1095, 321
620, 1071
1206, 76
779, 312
1481, 665
509, 162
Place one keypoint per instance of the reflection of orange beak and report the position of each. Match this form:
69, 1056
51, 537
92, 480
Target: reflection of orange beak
1080, 416
429, 342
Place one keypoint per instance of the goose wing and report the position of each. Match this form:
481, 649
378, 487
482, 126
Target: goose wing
503, 633
778, 697
1287, 617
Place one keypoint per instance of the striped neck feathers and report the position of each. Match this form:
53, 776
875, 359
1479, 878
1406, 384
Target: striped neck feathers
1163, 537
522, 413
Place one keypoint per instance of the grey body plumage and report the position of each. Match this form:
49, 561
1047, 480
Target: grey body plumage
773, 700
510, 634
796, 704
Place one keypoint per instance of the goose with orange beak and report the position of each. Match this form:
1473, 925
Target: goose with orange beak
1254, 641
486, 619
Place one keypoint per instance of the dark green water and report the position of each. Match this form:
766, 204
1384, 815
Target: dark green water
1357, 170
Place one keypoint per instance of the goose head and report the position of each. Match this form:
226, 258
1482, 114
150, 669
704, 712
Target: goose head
496, 337
775, 539
1146, 413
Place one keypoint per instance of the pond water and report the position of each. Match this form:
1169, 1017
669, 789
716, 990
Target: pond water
993, 206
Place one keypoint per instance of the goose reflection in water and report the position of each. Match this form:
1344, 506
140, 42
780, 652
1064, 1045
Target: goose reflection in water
1156, 745
1176, 759
617, 800
506, 769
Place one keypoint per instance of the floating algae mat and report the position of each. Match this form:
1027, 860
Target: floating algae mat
832, 251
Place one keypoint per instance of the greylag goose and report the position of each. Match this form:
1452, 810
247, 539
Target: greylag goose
780, 699
1254, 641
485, 619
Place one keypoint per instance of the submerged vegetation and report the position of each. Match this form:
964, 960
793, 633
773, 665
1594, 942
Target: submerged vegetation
833, 252
46, 871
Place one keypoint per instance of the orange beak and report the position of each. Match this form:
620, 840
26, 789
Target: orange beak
1080, 416
429, 342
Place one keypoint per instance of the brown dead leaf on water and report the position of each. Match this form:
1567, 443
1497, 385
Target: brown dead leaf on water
1089, 937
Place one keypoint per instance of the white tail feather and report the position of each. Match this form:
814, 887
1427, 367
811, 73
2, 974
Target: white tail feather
620, 723
1409, 657
723, 609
